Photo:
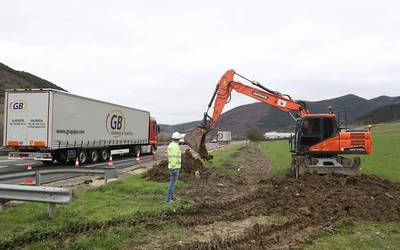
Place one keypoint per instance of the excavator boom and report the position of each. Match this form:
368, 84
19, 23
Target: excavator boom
222, 93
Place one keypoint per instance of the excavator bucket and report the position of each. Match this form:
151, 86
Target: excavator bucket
196, 140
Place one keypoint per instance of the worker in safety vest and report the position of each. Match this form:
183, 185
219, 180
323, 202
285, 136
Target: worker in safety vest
174, 164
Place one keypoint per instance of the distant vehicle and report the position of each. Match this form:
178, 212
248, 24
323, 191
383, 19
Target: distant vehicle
48, 125
277, 136
224, 137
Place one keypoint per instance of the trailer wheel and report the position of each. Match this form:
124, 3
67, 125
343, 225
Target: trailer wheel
104, 155
293, 168
61, 156
153, 149
94, 156
82, 156
48, 163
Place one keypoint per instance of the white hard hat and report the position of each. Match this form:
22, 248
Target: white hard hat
176, 136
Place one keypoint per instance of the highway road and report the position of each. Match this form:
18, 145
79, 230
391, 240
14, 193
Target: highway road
7, 165
119, 162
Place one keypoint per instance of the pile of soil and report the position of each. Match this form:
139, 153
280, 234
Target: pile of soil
242, 180
311, 203
190, 165
332, 197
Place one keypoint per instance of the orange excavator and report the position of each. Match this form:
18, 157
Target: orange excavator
318, 141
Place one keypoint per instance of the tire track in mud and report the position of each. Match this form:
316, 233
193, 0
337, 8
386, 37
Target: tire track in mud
313, 203
310, 204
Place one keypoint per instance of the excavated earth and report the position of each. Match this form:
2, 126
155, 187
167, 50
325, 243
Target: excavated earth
246, 210
190, 165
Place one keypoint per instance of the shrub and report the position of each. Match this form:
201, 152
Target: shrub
254, 134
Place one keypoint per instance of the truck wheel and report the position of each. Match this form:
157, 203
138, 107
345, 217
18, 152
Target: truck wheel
104, 155
48, 163
94, 156
153, 149
138, 150
82, 156
61, 156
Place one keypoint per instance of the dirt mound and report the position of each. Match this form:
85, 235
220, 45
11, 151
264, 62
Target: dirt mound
311, 203
190, 165
329, 197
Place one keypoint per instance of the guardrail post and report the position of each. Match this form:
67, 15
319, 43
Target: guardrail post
2, 202
52, 210
49, 195
110, 173
38, 177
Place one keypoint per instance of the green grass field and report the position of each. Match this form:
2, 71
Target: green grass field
383, 162
118, 204
385, 158
278, 155
224, 159
348, 235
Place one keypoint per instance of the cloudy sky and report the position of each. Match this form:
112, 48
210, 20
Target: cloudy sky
166, 56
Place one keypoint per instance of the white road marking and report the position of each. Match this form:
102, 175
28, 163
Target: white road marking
114, 162
4, 166
7, 160
24, 164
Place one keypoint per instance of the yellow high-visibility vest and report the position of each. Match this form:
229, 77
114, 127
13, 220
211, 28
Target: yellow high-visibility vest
174, 155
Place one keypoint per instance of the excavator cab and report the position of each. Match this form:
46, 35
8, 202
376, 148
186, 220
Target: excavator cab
319, 142
313, 129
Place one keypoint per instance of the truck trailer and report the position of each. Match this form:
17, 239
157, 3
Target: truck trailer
224, 137
51, 125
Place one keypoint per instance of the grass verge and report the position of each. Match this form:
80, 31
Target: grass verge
123, 202
384, 160
224, 160
278, 156
358, 235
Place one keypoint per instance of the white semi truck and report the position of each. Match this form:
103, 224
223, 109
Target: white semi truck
224, 137
49, 125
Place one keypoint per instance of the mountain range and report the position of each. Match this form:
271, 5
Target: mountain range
266, 118
14, 79
240, 119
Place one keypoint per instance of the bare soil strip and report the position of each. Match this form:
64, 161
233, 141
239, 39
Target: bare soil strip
241, 213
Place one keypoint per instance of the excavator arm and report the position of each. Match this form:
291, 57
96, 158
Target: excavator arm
222, 94
264, 95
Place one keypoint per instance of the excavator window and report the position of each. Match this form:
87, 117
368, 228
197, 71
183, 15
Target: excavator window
329, 127
316, 129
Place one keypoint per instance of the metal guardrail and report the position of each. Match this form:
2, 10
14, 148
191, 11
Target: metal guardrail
108, 173
50, 195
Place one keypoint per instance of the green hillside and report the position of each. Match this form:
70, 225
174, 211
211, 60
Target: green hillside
14, 79
10, 79
383, 114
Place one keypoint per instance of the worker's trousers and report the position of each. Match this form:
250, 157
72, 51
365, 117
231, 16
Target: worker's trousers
173, 177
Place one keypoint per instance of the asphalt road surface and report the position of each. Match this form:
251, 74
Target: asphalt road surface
119, 162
